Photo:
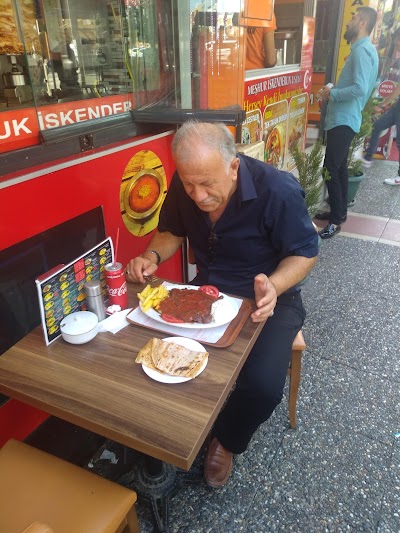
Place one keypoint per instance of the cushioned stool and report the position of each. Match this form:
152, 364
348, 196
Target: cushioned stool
38, 490
294, 372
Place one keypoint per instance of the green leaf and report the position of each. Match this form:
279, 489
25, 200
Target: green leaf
311, 175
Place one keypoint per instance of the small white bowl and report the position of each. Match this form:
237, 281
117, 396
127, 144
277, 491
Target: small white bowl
79, 327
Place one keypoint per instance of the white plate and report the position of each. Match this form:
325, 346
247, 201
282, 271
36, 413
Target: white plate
166, 378
223, 311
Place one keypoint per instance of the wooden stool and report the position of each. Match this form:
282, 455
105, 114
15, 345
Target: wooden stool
39, 490
294, 372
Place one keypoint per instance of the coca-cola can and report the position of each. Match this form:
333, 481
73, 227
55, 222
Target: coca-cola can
116, 285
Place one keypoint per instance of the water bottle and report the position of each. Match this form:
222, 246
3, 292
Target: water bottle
94, 299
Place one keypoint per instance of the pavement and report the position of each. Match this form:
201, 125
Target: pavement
339, 471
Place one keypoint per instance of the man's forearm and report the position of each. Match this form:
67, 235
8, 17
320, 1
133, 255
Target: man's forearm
291, 271
165, 244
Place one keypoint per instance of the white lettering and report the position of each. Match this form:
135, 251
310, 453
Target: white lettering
7, 130
66, 118
105, 108
40, 119
118, 291
94, 112
81, 114
117, 107
52, 120
20, 126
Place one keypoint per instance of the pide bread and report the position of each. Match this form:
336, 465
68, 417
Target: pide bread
171, 358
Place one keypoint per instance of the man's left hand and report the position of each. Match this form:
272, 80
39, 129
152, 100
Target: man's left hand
325, 93
265, 294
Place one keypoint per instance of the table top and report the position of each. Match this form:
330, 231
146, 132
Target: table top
98, 386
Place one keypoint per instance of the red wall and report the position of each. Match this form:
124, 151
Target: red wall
39, 203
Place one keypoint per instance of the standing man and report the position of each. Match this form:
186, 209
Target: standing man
343, 117
260, 46
249, 229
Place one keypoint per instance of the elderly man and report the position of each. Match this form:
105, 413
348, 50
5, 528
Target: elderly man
251, 235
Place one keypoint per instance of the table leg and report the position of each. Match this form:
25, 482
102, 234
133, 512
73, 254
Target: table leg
156, 482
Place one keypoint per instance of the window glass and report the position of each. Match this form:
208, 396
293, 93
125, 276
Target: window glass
69, 61
217, 42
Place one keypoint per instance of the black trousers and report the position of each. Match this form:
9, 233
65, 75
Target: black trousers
337, 151
259, 387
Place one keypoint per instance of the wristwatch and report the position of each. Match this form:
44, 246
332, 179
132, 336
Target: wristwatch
155, 253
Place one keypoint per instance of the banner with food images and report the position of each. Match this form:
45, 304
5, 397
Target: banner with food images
297, 126
275, 121
252, 127
281, 100
61, 290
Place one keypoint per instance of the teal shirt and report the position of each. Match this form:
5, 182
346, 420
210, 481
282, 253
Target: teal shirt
354, 87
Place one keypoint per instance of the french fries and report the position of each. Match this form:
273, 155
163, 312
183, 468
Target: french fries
152, 297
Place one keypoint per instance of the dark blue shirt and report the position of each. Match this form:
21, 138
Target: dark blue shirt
266, 220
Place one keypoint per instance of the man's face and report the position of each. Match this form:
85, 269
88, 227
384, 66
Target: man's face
207, 181
353, 29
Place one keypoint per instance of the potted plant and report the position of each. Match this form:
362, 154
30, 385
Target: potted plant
310, 176
356, 174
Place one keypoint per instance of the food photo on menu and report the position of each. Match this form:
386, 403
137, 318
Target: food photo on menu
275, 128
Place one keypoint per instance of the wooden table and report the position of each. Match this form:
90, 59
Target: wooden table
99, 387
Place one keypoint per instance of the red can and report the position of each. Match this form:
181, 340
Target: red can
116, 285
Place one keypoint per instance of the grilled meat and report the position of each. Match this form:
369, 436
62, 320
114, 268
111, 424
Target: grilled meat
188, 305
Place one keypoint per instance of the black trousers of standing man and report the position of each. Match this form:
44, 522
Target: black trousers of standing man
337, 150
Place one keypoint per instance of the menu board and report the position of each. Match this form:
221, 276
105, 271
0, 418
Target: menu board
61, 290
275, 125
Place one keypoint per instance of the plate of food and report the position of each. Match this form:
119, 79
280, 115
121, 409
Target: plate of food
188, 306
173, 359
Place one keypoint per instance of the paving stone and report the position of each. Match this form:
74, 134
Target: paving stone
363, 402
323, 479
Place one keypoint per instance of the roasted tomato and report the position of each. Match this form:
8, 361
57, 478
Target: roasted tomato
172, 319
210, 290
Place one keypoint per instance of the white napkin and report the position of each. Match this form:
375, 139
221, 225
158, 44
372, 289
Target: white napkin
114, 322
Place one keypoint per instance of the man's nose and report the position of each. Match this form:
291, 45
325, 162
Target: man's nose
198, 194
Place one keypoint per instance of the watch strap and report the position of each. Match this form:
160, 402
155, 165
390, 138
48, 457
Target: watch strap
155, 253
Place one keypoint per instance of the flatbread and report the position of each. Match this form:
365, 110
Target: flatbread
171, 358
144, 356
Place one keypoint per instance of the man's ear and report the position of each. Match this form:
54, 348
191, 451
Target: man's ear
235, 164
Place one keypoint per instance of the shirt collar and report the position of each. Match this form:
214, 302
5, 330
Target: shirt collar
246, 188
359, 42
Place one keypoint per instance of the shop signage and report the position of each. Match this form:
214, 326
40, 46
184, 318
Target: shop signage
276, 112
20, 128
386, 88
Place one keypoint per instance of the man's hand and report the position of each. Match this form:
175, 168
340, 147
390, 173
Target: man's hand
265, 294
138, 268
324, 93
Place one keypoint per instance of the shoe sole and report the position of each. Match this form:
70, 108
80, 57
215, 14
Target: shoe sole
330, 236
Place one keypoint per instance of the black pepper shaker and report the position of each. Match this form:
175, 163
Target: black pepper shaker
94, 299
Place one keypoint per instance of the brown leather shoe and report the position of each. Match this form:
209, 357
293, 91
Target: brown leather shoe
218, 464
